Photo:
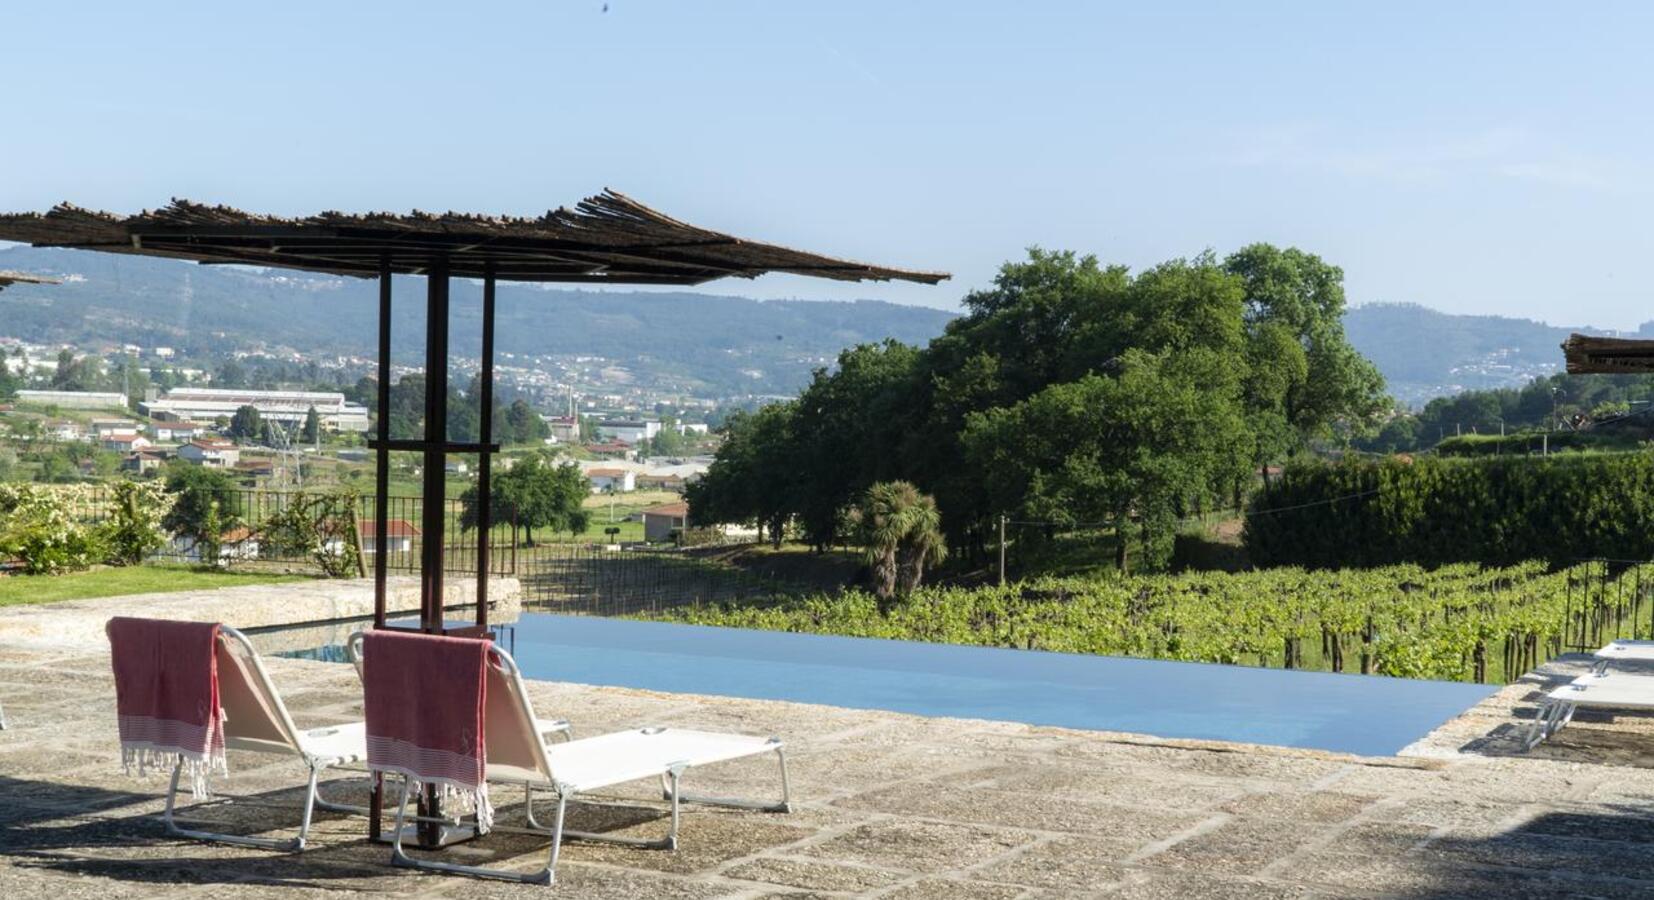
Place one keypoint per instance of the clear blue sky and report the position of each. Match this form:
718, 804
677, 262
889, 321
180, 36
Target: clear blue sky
1474, 157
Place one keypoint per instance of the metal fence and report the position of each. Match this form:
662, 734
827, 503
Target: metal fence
590, 579
249, 537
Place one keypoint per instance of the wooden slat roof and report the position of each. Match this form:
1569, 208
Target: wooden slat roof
7, 278
1588, 355
609, 238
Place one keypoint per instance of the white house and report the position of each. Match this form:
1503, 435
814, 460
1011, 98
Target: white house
214, 453
65, 430
108, 428
564, 429
399, 536
619, 480
239, 543
125, 443
176, 431
660, 523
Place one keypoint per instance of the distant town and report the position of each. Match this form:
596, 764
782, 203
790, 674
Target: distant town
268, 420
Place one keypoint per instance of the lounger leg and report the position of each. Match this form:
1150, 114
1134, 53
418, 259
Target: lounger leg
670, 842
1566, 717
784, 805
1536, 728
330, 806
309, 807
241, 840
400, 858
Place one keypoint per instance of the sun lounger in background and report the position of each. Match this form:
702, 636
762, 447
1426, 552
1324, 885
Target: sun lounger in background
1623, 652
1609, 690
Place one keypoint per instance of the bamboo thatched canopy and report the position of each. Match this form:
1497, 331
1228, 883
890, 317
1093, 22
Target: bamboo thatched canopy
609, 238
1588, 355
10, 278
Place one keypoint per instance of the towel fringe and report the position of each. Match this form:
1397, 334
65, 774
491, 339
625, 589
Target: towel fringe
464, 797
197, 767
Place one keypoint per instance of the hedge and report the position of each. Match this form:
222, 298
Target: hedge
1434, 511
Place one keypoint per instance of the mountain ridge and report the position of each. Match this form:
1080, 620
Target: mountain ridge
727, 343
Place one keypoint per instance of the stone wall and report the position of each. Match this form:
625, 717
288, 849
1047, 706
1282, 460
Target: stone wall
79, 623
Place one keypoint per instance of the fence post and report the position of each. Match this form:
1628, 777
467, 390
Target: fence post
1002, 550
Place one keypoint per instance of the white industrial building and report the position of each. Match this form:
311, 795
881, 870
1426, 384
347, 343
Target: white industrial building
74, 399
285, 407
632, 431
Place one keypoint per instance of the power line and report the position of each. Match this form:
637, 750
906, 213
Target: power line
1037, 523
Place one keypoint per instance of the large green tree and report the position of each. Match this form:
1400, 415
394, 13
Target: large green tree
536, 492
1135, 449
754, 477
1069, 391
1305, 379
209, 501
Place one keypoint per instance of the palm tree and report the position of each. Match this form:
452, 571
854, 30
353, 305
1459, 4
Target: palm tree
902, 531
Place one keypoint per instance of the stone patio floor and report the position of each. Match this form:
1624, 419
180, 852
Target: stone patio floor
887, 806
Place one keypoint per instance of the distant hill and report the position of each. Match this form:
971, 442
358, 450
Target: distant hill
721, 344
727, 344
1424, 353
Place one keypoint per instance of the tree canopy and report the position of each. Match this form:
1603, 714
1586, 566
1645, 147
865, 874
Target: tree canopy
1070, 391
534, 493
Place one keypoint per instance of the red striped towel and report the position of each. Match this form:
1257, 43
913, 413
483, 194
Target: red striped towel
166, 696
424, 697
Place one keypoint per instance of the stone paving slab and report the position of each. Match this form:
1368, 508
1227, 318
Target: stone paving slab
889, 806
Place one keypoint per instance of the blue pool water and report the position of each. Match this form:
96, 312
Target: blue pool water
1351, 713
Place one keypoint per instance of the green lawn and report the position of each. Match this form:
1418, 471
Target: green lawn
17, 590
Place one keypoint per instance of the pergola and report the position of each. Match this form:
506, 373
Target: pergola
1588, 355
606, 239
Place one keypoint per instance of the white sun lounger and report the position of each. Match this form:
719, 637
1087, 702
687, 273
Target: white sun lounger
256, 720
1623, 651
519, 753
1614, 690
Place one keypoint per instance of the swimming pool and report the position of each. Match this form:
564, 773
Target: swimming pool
1351, 713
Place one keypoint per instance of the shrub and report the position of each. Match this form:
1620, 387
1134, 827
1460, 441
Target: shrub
38, 526
136, 526
1431, 511
321, 526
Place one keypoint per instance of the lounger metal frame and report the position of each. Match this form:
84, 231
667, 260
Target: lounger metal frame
259, 680
1554, 713
564, 792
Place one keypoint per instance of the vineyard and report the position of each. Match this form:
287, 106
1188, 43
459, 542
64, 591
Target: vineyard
1460, 623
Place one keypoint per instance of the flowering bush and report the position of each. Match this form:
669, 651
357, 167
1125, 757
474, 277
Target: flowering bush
135, 529
38, 526
321, 526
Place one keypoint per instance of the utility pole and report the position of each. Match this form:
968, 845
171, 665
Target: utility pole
1002, 550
